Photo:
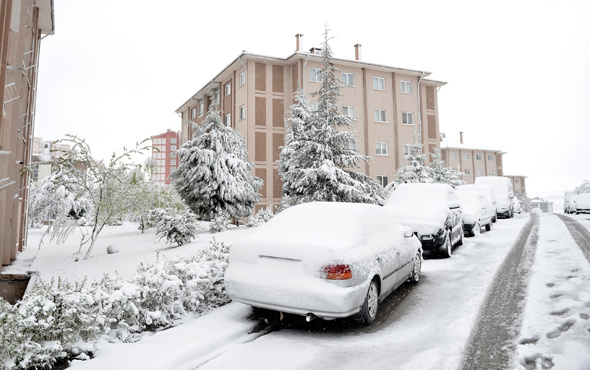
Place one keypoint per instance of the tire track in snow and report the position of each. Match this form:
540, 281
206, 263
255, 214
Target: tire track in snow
580, 234
491, 345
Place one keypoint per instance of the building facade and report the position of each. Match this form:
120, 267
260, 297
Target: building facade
164, 148
518, 183
44, 151
23, 24
392, 107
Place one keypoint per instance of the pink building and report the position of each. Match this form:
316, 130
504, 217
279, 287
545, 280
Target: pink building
164, 155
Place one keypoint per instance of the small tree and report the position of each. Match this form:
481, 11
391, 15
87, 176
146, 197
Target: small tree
442, 174
214, 177
414, 170
319, 157
107, 190
584, 188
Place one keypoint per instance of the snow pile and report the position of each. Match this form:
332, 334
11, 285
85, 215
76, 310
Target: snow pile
59, 320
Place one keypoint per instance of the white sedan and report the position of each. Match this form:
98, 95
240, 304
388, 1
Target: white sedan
478, 212
326, 260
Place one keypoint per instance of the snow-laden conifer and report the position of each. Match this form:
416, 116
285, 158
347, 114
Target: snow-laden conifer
415, 169
214, 176
442, 174
318, 161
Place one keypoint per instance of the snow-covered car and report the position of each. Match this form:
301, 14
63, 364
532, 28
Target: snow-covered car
326, 260
516, 205
503, 191
477, 212
569, 204
486, 190
582, 203
433, 211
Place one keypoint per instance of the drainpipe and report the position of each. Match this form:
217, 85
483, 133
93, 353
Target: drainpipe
420, 108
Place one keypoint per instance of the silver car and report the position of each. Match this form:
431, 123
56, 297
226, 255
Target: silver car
326, 260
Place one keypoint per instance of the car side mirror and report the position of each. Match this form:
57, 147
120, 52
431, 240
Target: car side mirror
408, 233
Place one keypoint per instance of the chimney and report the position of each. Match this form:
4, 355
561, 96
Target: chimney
357, 52
461, 137
298, 36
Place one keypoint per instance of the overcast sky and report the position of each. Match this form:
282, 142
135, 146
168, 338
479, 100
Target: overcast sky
518, 72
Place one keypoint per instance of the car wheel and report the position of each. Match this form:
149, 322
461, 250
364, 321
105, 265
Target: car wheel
495, 218
489, 226
368, 312
416, 270
447, 246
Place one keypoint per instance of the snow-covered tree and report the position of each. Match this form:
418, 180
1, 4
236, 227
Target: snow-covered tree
106, 188
214, 177
415, 169
318, 161
442, 174
584, 188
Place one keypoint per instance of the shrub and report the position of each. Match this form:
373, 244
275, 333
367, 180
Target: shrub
262, 216
178, 227
219, 224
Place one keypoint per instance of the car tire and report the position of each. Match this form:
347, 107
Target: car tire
447, 247
368, 312
416, 270
495, 218
489, 226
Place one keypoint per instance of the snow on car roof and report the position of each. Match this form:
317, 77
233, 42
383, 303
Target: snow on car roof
419, 196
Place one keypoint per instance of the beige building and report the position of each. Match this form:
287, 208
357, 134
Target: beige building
518, 183
23, 24
391, 106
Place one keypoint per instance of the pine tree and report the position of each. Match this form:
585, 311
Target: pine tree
441, 174
414, 170
214, 177
317, 162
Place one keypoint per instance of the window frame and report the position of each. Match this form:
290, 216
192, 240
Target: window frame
380, 179
349, 108
467, 171
346, 81
490, 158
376, 83
227, 120
227, 90
317, 72
478, 157
381, 148
201, 105
465, 156
242, 111
193, 113
407, 115
405, 85
242, 78
453, 155
382, 113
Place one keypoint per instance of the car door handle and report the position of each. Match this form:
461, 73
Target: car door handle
378, 259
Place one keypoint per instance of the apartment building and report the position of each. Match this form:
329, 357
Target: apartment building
392, 107
43, 151
518, 183
164, 148
23, 24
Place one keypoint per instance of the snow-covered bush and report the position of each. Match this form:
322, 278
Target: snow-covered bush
59, 321
219, 224
178, 227
262, 216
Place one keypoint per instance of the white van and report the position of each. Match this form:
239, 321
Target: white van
486, 190
503, 191
569, 204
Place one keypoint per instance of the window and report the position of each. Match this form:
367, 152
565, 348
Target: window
479, 173
380, 115
227, 89
381, 148
406, 87
172, 169
201, 107
466, 156
491, 173
173, 148
408, 118
173, 155
453, 155
490, 158
194, 113
242, 112
172, 140
315, 75
227, 120
383, 180
173, 162
313, 106
516, 181
378, 83
352, 144
243, 78
467, 171
478, 157
348, 79
348, 111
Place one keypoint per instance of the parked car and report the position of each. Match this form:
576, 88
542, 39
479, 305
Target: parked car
503, 191
582, 203
486, 190
326, 260
477, 212
569, 205
516, 205
433, 211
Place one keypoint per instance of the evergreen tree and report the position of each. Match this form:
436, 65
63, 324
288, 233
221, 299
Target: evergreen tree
317, 162
442, 174
414, 170
214, 177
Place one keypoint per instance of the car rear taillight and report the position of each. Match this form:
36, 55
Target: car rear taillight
338, 272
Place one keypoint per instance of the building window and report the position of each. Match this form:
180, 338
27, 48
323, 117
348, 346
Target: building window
352, 144
453, 155
173, 162
313, 106
378, 83
406, 87
406, 149
194, 113
383, 180
380, 115
348, 79
173, 155
467, 171
172, 140
479, 173
490, 158
201, 107
227, 120
242, 112
466, 156
315, 75
227, 89
243, 78
408, 118
173, 147
517, 181
478, 157
172, 169
491, 173
381, 148
348, 111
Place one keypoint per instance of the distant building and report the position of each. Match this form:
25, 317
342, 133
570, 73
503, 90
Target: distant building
518, 183
164, 155
43, 151
23, 24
